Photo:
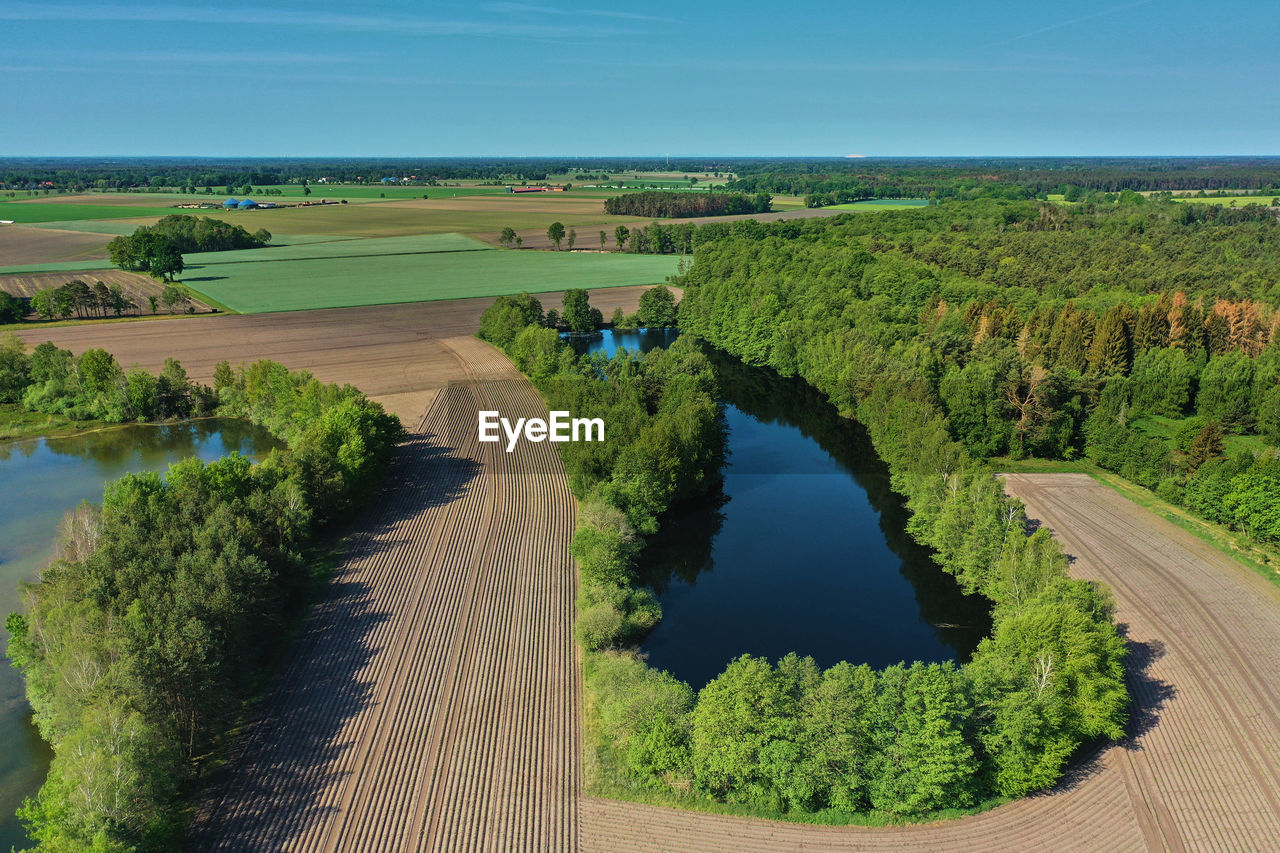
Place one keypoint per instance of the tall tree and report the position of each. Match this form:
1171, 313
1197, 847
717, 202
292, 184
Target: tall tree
555, 233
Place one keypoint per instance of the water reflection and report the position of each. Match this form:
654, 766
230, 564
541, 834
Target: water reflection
806, 550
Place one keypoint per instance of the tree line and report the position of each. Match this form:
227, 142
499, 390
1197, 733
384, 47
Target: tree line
143, 639
682, 205
1020, 178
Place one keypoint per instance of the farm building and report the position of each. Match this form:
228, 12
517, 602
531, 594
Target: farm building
230, 203
247, 204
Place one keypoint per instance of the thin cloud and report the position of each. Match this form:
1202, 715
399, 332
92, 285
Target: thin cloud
308, 20
530, 9
1071, 22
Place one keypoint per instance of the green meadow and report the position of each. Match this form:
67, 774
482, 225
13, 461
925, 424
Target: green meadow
344, 281
25, 212
319, 247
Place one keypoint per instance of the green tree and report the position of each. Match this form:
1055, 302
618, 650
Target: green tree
507, 316
973, 401
658, 307
12, 310
620, 235
164, 262
555, 233
604, 239
1161, 382
837, 724
1206, 445
1109, 353
1226, 388
508, 237
15, 368
922, 761
577, 314
572, 238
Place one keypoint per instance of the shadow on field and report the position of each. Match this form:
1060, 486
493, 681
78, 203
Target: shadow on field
190, 278
270, 791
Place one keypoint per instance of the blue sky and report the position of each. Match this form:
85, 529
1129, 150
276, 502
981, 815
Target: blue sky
395, 78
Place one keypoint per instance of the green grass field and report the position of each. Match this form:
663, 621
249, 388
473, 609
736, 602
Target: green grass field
340, 282
92, 226
52, 211
314, 249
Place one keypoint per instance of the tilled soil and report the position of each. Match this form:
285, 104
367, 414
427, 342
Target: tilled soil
432, 702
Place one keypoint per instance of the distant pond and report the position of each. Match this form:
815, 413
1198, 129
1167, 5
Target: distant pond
40, 479
805, 550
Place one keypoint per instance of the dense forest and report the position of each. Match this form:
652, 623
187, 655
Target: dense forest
146, 635
788, 737
1141, 336
833, 181
683, 205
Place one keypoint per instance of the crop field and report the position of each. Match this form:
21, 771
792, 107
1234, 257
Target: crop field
30, 212
333, 282
316, 247
137, 287
43, 245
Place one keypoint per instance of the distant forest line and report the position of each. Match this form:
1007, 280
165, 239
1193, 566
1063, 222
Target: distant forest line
878, 177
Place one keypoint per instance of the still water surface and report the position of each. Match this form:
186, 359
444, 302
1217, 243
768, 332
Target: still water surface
805, 550
40, 479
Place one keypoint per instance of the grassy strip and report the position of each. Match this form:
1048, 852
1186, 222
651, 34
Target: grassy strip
1237, 546
16, 422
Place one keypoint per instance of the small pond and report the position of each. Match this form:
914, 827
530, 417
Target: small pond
805, 550
40, 479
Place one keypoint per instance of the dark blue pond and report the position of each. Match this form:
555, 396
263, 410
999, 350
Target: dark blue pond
806, 549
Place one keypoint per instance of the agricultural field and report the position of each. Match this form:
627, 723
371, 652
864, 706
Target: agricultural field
138, 288
335, 277
20, 245
31, 212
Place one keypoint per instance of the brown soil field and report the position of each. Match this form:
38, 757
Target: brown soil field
432, 701
589, 235
135, 285
19, 245
391, 352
